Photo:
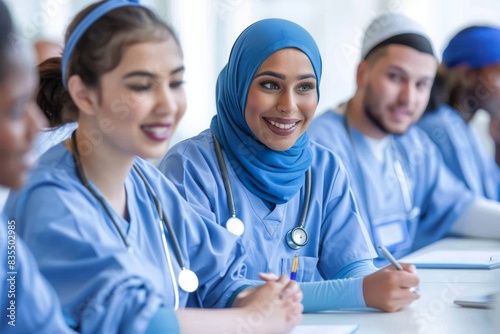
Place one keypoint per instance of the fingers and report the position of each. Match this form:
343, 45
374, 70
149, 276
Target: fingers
405, 278
389, 289
292, 291
289, 289
267, 277
295, 312
409, 267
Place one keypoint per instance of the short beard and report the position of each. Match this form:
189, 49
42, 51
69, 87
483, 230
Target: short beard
371, 116
374, 120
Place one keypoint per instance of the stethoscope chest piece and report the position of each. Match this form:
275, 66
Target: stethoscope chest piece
235, 226
188, 281
297, 238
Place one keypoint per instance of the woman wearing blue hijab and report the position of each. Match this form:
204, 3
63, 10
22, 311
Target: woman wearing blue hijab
288, 198
467, 80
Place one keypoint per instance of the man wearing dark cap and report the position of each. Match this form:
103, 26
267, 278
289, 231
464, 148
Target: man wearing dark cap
407, 197
468, 79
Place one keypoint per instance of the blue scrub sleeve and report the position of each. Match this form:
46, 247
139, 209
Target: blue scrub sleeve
357, 269
344, 291
164, 321
28, 302
333, 294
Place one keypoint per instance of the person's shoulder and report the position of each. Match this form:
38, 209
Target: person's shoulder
199, 142
52, 180
439, 117
330, 117
323, 157
328, 129
155, 178
57, 165
197, 150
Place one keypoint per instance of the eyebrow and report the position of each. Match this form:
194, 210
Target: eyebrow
283, 77
149, 74
398, 68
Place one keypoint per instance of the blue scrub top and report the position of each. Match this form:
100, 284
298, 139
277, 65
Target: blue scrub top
102, 286
437, 197
462, 151
28, 303
337, 236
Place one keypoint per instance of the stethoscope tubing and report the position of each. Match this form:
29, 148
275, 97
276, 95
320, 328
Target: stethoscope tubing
230, 198
162, 218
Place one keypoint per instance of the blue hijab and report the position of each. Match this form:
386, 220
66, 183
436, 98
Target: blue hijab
475, 47
274, 176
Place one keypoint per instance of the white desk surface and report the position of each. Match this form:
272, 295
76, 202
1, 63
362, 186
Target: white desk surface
434, 312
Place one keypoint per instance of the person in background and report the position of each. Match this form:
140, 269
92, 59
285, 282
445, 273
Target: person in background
123, 250
28, 303
468, 80
494, 131
407, 196
53, 134
256, 172
46, 49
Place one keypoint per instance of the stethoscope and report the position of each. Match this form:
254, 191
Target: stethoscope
188, 281
296, 238
411, 211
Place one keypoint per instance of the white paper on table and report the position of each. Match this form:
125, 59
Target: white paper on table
455, 259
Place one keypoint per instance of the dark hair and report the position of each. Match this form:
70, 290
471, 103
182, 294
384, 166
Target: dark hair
98, 51
6, 31
438, 92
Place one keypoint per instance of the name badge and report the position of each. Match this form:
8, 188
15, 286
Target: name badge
392, 232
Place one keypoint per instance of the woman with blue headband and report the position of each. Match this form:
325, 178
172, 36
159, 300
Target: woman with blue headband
256, 173
467, 80
122, 249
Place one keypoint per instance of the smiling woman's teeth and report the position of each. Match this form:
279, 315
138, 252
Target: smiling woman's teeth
282, 126
157, 130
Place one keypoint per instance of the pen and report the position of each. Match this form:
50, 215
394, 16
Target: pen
295, 266
395, 263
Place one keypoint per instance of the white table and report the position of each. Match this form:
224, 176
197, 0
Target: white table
434, 312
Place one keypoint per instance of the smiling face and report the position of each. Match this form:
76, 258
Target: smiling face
20, 117
142, 99
282, 99
395, 89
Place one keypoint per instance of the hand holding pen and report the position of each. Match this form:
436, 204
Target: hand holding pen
389, 288
395, 263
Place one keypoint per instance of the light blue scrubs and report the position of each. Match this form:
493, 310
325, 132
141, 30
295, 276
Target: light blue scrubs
437, 198
28, 303
337, 237
102, 286
462, 151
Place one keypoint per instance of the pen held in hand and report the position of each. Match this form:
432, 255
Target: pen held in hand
385, 252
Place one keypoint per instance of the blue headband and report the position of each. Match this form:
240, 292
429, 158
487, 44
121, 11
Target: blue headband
82, 27
474, 47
